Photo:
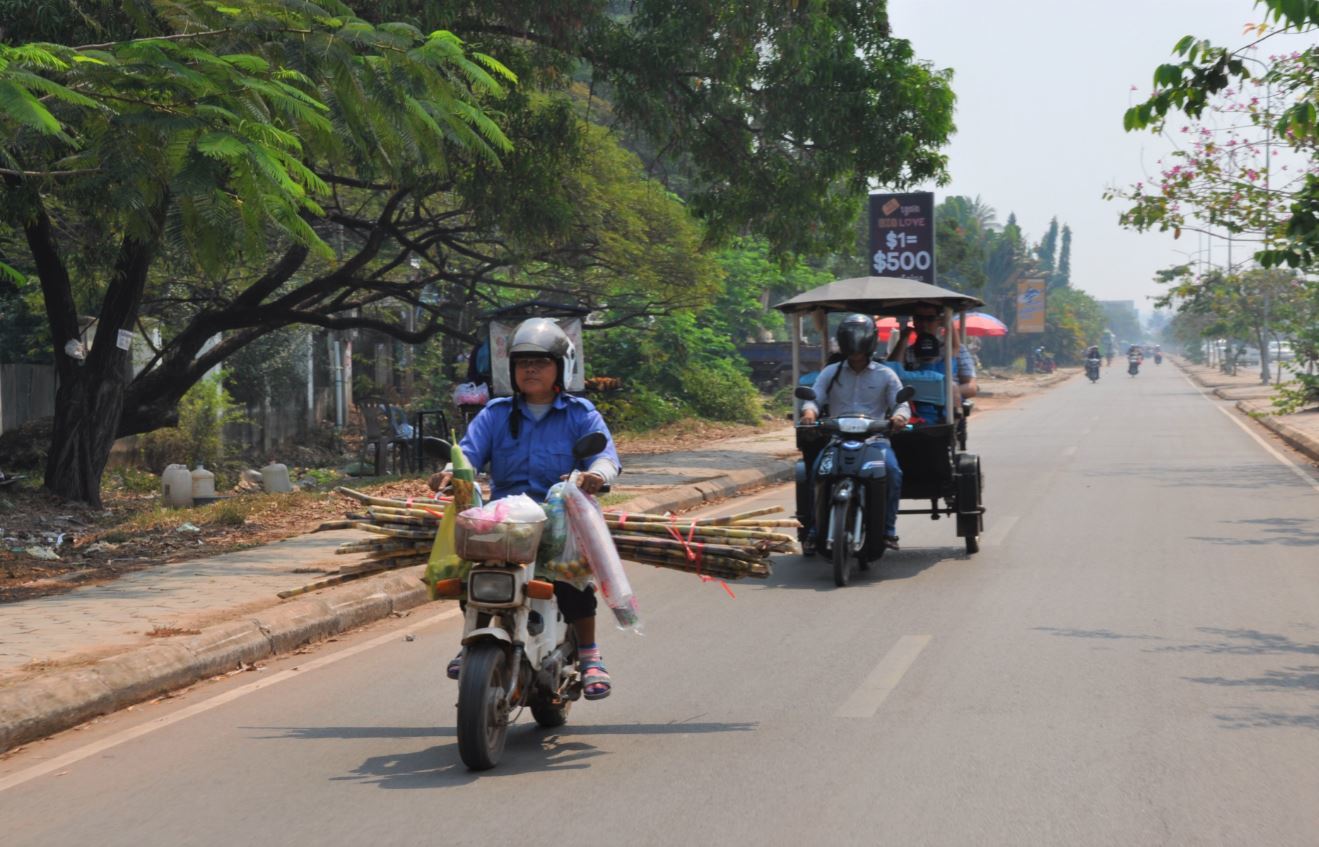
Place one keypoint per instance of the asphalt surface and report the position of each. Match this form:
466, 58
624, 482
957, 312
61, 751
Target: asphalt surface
1132, 658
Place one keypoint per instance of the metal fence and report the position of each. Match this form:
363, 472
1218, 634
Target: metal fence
26, 392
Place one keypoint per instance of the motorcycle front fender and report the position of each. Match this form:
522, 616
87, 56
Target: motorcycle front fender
488, 632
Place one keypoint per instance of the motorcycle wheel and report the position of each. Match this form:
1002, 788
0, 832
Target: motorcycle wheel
548, 715
483, 706
842, 517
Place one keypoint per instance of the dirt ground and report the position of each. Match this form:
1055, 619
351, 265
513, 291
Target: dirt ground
133, 532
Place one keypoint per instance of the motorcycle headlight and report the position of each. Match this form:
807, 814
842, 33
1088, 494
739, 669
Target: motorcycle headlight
853, 426
490, 587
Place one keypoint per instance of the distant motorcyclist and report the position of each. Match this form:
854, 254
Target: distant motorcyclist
1134, 357
1092, 360
858, 386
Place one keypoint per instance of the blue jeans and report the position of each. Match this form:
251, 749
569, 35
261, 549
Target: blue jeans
894, 493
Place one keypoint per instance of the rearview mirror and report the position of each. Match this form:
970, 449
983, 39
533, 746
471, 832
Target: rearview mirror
906, 393
588, 445
804, 392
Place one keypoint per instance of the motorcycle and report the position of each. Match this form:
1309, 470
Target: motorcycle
518, 651
1133, 365
1158, 358
1092, 369
851, 488
1043, 362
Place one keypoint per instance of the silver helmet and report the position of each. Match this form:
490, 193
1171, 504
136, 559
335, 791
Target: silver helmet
536, 337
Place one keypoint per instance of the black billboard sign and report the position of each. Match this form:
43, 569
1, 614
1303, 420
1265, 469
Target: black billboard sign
902, 235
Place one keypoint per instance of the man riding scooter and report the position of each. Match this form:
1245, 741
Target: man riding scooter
856, 385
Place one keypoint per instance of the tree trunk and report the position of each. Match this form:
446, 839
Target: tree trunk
87, 411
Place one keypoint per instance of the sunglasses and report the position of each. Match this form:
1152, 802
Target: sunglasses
533, 364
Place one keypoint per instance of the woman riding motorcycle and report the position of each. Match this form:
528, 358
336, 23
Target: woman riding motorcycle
527, 439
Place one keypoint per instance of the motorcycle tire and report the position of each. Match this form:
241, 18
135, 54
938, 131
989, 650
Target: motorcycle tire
483, 707
842, 516
548, 715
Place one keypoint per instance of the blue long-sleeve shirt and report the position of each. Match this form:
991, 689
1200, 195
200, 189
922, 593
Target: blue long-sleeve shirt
542, 452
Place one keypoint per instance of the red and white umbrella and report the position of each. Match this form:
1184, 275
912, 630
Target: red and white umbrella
981, 323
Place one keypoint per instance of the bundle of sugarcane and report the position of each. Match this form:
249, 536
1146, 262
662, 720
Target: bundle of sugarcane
726, 547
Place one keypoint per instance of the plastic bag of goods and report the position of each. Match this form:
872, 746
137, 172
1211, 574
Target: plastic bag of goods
471, 394
504, 530
444, 561
466, 493
558, 558
594, 541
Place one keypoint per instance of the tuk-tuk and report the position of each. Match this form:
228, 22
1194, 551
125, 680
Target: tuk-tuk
936, 469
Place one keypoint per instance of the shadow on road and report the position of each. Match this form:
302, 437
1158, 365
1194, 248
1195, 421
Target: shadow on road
529, 749
1226, 479
813, 573
1300, 679
1290, 532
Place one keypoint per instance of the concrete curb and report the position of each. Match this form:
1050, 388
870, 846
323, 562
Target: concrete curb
1304, 442
1295, 438
44, 705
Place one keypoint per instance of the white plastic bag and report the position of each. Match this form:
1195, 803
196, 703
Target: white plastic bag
594, 542
471, 394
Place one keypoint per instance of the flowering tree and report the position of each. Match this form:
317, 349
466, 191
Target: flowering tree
1248, 163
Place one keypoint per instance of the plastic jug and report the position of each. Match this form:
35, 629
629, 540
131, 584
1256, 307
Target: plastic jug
275, 478
176, 486
203, 484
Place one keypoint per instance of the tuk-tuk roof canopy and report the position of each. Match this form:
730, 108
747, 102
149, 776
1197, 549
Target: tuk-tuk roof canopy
877, 295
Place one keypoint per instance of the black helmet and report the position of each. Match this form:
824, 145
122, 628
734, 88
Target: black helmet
927, 346
540, 337
857, 334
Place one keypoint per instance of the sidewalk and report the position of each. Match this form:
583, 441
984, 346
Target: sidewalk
1299, 430
67, 658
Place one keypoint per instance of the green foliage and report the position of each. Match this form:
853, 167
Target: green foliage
672, 368
199, 436
753, 282
1073, 320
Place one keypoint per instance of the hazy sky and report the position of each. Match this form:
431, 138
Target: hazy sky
1041, 86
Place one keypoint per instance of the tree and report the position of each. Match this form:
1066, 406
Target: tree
773, 117
202, 142
1047, 250
1220, 182
267, 163
1236, 306
1062, 277
1073, 321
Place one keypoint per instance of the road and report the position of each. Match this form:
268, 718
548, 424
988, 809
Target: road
1132, 659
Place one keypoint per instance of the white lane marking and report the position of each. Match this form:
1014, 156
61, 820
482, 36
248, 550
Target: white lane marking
867, 699
1070, 451
999, 530
206, 705
1296, 469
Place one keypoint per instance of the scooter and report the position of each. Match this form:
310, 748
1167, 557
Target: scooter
1158, 358
518, 651
1092, 369
851, 488
1133, 365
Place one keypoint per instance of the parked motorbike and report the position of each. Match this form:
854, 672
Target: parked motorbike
1092, 369
1043, 362
518, 651
851, 488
